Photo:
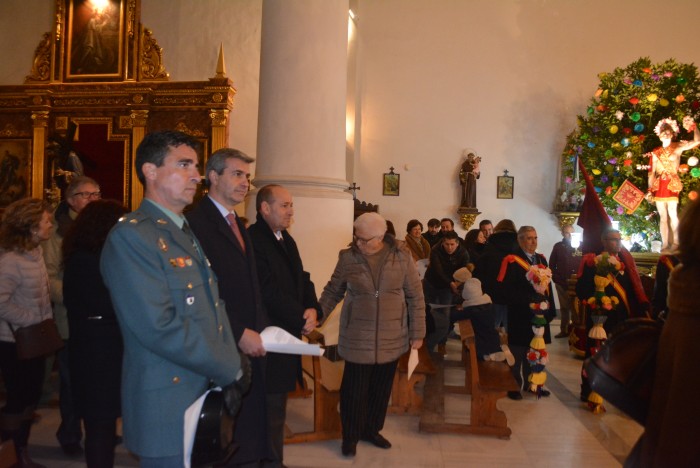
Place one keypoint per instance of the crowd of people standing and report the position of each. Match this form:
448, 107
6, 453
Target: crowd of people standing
157, 306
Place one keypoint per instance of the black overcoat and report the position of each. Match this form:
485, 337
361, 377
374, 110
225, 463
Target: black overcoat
95, 348
239, 288
520, 295
287, 292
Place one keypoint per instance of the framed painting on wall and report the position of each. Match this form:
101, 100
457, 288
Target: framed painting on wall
15, 170
391, 184
95, 39
504, 186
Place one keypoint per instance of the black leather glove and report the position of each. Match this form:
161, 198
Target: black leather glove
233, 393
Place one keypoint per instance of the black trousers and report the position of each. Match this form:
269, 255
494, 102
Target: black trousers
69, 432
100, 435
521, 365
23, 382
276, 415
364, 398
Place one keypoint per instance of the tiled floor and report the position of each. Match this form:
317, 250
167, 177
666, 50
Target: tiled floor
552, 432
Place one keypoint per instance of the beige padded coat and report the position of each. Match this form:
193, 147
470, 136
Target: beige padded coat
377, 320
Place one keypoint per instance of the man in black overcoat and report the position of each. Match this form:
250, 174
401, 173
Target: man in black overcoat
289, 297
229, 249
521, 294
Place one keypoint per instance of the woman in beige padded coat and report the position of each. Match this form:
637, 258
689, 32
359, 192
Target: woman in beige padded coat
383, 314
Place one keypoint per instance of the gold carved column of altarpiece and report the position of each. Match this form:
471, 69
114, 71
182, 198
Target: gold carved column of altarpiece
101, 69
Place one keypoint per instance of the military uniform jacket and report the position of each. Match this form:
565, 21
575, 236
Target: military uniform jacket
176, 335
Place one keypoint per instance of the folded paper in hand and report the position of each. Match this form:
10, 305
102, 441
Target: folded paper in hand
276, 340
412, 362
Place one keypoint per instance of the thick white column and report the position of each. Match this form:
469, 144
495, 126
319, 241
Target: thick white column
301, 123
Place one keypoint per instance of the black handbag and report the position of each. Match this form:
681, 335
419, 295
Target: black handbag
40, 339
213, 440
622, 371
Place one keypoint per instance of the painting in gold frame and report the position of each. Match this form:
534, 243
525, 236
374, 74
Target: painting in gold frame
391, 184
15, 170
95, 39
504, 186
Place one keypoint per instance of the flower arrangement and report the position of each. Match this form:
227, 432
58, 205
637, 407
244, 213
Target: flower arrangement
539, 276
606, 268
616, 130
663, 122
606, 264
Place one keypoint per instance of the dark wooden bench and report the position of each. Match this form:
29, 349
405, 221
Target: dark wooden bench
404, 398
485, 381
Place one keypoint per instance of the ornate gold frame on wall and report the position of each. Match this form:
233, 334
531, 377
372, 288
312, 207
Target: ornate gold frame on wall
133, 102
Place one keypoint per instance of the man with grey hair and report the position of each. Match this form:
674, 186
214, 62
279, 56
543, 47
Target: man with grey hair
521, 294
81, 191
230, 251
383, 315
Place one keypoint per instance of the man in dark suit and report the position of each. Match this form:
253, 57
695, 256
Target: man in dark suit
289, 297
521, 294
176, 335
228, 247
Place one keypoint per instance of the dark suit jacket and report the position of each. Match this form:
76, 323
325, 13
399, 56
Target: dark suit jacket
239, 288
521, 294
287, 293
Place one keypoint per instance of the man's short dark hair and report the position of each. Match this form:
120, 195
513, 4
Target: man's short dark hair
265, 195
434, 222
155, 147
484, 222
451, 235
452, 223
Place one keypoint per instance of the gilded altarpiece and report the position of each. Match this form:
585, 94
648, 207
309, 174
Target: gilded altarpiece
98, 83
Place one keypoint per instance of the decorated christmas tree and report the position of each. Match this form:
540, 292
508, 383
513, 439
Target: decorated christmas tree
617, 132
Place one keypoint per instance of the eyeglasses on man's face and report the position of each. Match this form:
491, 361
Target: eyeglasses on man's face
88, 195
360, 240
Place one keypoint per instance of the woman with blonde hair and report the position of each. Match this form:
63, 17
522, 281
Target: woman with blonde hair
24, 301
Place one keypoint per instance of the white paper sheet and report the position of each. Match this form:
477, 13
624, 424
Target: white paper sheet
277, 340
412, 362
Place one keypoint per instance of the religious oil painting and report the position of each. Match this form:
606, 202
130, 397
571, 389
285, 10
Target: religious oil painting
95, 33
15, 170
391, 184
504, 186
